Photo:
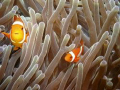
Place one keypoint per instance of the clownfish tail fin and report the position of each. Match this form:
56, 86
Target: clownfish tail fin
15, 48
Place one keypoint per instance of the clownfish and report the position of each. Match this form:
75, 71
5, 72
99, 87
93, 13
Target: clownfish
74, 55
18, 34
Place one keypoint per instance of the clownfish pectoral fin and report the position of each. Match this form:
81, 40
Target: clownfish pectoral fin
77, 59
6, 34
27, 34
15, 48
26, 37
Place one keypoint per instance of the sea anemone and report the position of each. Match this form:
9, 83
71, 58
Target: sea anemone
56, 27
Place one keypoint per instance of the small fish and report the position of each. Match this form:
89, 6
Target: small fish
18, 34
73, 56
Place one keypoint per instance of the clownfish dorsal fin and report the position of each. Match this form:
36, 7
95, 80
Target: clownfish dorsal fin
81, 42
15, 17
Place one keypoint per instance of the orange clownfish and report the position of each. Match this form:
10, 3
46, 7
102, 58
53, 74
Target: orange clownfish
18, 34
73, 56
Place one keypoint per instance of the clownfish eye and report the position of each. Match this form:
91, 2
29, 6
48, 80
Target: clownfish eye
22, 28
70, 56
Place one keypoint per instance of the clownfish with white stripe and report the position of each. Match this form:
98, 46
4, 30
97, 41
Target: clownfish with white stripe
74, 55
18, 34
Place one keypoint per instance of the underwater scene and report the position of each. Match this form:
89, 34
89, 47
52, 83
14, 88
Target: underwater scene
59, 45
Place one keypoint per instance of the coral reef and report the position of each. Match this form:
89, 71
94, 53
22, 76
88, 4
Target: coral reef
56, 27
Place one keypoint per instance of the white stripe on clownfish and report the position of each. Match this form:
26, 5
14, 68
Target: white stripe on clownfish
18, 22
81, 49
73, 56
24, 36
